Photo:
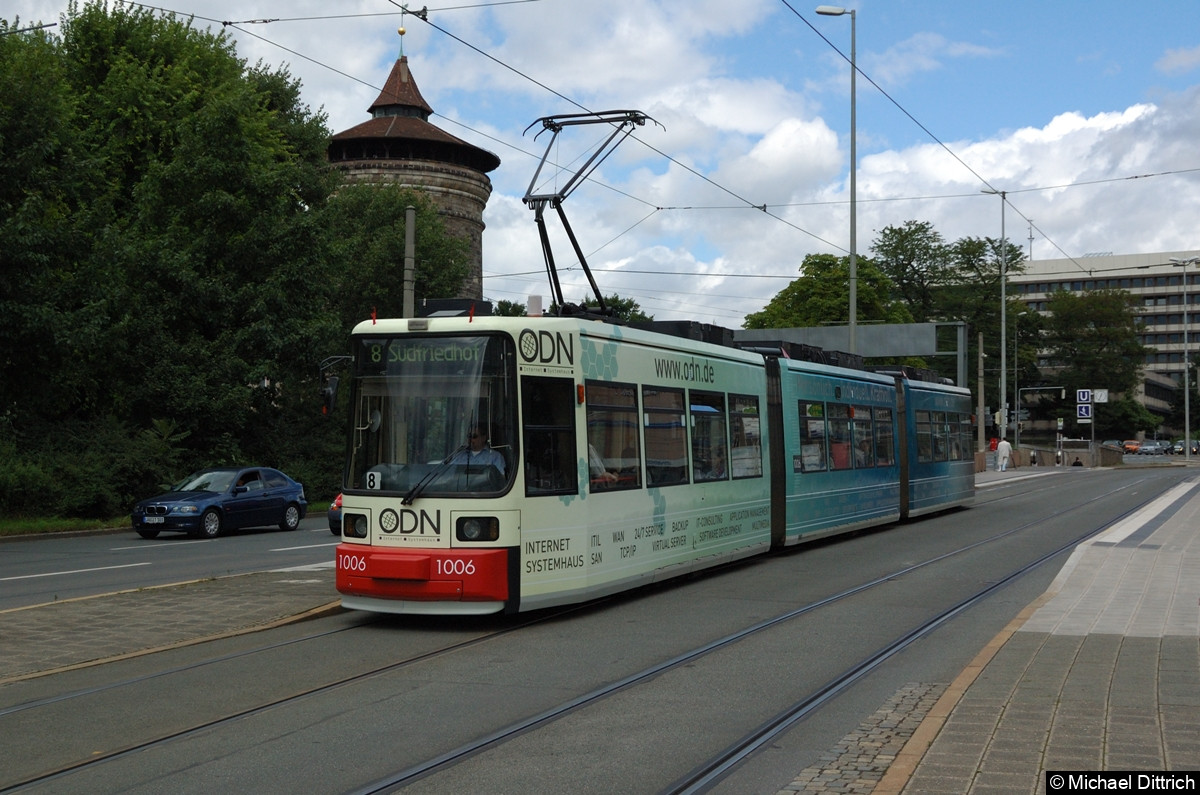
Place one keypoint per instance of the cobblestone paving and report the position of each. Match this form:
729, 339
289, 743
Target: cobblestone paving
858, 762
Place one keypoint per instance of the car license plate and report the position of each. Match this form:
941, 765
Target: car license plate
154, 520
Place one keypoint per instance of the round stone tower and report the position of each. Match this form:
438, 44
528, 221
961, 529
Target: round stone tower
399, 145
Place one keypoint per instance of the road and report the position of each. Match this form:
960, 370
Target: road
348, 700
43, 569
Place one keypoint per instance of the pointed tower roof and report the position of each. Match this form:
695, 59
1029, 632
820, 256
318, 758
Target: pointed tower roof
399, 129
400, 95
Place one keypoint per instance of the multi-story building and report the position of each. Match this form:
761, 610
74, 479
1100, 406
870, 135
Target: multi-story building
1158, 282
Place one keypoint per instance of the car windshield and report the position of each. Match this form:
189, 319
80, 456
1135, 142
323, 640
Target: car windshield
206, 480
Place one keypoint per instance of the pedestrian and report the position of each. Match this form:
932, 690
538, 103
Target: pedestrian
1003, 454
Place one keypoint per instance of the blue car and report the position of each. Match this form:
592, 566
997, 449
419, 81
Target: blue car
208, 502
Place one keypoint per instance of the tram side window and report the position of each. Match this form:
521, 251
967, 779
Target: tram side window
812, 437
746, 437
709, 444
885, 438
839, 436
956, 422
924, 437
666, 436
864, 438
548, 411
941, 436
966, 438
614, 458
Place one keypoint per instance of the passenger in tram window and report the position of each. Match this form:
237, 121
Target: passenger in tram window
716, 470
601, 475
862, 454
478, 452
718, 467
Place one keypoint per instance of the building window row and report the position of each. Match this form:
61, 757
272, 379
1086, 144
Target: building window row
1128, 283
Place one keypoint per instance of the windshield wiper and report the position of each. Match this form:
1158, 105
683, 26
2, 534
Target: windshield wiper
416, 490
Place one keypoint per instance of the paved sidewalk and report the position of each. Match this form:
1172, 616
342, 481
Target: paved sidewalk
74, 632
1101, 673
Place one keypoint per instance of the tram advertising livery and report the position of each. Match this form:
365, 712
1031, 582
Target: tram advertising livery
509, 464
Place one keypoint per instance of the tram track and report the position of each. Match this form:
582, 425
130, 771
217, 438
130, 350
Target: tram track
719, 765
701, 777
195, 728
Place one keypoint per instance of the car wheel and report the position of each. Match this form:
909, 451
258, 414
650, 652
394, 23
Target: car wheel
291, 518
148, 533
210, 524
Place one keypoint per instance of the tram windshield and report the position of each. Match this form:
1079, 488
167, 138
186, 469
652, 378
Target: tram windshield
434, 416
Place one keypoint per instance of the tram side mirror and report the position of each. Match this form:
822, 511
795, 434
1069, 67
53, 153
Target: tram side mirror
329, 395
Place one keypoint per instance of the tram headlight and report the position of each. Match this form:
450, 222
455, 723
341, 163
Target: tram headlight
354, 525
477, 528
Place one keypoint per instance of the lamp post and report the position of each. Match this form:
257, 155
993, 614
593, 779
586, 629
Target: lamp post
837, 11
1003, 314
1187, 389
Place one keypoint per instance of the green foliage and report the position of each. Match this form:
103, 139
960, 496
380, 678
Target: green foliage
1123, 418
177, 259
505, 308
917, 261
365, 228
821, 296
1185, 405
623, 309
1093, 338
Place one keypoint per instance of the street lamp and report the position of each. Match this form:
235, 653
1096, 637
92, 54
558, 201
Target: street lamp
837, 11
1187, 389
1003, 313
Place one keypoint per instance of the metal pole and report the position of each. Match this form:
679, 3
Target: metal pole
1003, 429
853, 186
837, 11
409, 280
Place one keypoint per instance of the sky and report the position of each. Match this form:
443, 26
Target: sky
1086, 115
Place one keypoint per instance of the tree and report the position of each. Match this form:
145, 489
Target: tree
917, 261
625, 310
1179, 413
971, 294
40, 199
821, 296
176, 257
505, 308
1092, 342
367, 269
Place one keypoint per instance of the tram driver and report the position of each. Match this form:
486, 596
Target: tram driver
478, 453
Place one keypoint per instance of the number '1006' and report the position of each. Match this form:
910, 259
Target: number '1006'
455, 566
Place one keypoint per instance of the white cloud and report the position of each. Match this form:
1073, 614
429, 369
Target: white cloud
743, 93
1177, 61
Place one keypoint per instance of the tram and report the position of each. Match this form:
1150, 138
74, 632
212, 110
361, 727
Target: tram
500, 465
